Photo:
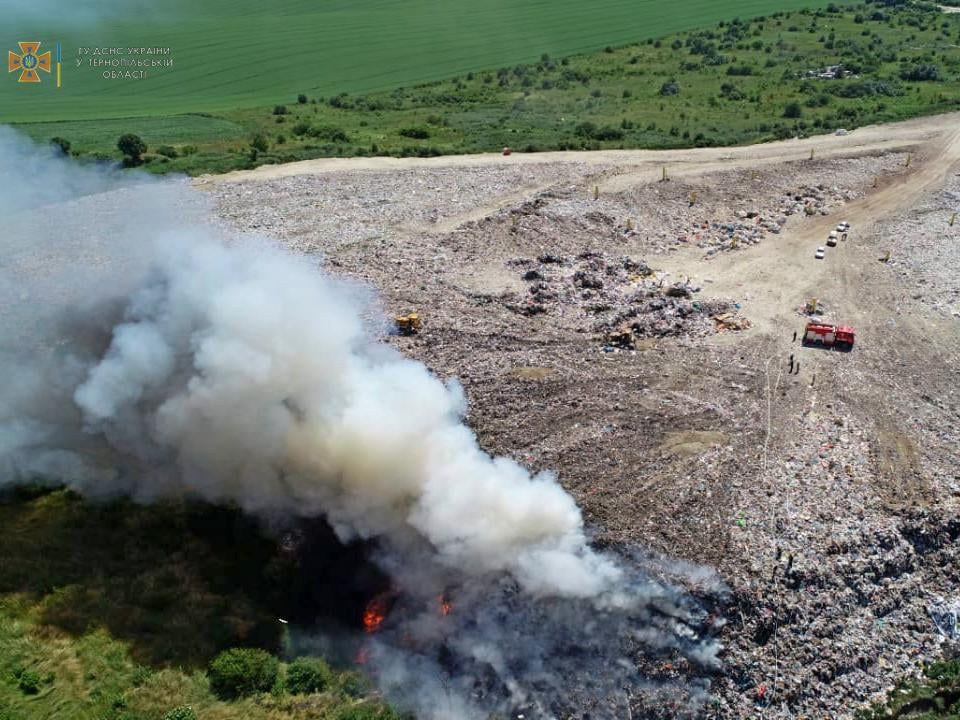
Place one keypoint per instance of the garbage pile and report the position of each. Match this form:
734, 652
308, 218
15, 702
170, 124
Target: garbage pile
621, 299
750, 226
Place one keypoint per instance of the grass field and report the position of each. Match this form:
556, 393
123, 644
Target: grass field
112, 612
735, 82
231, 54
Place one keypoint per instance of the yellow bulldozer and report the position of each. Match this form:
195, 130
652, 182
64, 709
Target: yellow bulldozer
409, 324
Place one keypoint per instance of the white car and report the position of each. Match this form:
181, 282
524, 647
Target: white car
832, 239
843, 227
820, 253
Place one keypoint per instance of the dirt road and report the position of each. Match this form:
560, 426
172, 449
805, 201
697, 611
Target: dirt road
641, 164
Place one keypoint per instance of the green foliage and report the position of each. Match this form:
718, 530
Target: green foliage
734, 82
183, 712
28, 681
367, 711
671, 87
259, 143
308, 675
793, 110
239, 672
133, 148
935, 697
168, 151
921, 73
302, 99
417, 133
61, 143
280, 109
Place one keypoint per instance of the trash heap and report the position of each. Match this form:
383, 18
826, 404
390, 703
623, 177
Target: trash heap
618, 298
750, 226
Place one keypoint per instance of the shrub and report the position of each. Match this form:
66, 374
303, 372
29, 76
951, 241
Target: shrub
280, 110
168, 151
329, 133
920, 73
61, 143
259, 143
416, 133
793, 110
354, 685
740, 70
670, 88
133, 148
28, 681
302, 99
308, 675
183, 712
188, 150
242, 671
301, 128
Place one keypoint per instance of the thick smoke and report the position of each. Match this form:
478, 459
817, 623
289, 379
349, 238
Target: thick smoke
154, 356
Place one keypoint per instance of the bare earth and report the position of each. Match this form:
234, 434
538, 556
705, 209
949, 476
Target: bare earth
827, 499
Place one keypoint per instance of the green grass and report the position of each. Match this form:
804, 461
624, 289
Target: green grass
606, 99
936, 696
231, 54
116, 609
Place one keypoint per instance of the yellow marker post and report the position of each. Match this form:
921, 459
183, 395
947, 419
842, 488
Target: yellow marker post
811, 153
596, 192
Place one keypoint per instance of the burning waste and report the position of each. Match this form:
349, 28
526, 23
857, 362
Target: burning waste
150, 355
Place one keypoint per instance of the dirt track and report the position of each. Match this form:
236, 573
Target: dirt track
827, 499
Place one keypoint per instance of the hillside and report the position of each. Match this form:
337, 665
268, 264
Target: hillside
236, 54
737, 81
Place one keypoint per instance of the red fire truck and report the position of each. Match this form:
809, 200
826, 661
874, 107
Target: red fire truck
840, 337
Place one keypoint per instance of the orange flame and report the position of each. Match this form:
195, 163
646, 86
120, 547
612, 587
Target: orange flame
445, 605
374, 614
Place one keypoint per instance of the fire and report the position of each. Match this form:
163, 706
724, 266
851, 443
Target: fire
374, 614
445, 605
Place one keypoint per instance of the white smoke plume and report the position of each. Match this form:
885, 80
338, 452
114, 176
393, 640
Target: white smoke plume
156, 356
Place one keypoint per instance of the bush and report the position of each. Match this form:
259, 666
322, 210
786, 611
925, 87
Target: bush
28, 681
670, 88
354, 685
259, 143
61, 143
740, 70
921, 73
187, 150
184, 712
301, 128
302, 99
416, 133
133, 148
308, 675
793, 110
242, 671
280, 110
329, 133
168, 151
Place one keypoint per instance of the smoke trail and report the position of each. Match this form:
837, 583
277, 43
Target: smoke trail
183, 362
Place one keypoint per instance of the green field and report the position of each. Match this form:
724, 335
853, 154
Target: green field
232, 54
734, 82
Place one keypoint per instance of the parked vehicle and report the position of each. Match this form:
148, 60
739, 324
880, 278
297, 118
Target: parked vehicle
840, 337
